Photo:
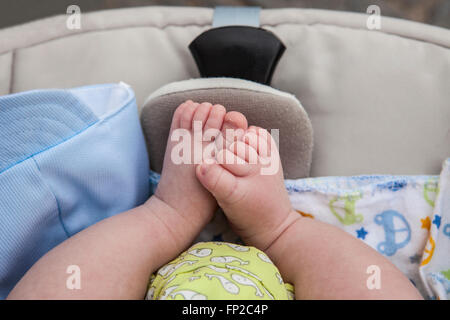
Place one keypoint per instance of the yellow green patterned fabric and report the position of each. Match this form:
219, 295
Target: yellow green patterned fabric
219, 271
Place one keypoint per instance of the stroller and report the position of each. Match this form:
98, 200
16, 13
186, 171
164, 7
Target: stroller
363, 117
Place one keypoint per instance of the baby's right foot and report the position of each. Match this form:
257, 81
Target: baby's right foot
247, 182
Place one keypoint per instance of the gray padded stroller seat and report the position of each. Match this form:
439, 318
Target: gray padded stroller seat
378, 100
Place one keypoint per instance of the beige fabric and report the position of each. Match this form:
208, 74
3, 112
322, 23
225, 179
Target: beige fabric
378, 100
5, 76
263, 106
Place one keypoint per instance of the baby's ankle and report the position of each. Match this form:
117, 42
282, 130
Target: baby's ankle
171, 222
278, 236
264, 239
175, 220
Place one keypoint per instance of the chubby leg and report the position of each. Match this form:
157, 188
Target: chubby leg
323, 262
117, 255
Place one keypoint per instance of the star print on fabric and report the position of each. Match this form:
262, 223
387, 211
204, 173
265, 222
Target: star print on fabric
217, 237
426, 223
437, 221
361, 233
415, 258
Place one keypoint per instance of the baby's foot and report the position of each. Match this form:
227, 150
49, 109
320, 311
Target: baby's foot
247, 182
178, 186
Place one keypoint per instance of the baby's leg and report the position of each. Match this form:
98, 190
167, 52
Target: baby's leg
117, 255
325, 262
322, 261
114, 258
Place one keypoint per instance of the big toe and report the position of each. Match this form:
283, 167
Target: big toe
217, 180
183, 115
235, 120
234, 126
215, 117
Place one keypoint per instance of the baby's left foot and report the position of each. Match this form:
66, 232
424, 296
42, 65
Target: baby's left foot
248, 185
178, 186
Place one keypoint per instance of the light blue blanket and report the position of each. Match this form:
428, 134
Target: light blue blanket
68, 158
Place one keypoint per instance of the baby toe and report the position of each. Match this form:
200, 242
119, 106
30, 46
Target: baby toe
216, 180
251, 138
215, 117
233, 163
201, 115
177, 114
235, 120
244, 151
261, 140
214, 122
234, 126
187, 115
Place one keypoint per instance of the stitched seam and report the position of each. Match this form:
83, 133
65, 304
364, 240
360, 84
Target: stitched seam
291, 97
106, 29
52, 146
70, 137
204, 25
56, 200
48, 147
445, 46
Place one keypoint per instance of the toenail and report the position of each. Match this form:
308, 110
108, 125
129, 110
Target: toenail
203, 168
230, 122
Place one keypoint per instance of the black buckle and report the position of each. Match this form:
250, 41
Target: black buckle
238, 52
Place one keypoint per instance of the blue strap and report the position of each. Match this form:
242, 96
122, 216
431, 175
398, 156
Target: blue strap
244, 16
